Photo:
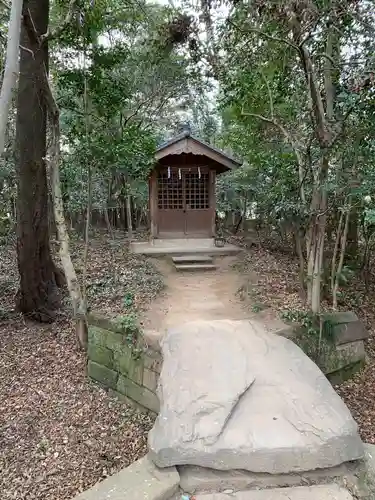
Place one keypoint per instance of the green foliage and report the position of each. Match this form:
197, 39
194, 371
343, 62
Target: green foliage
116, 88
128, 299
313, 333
132, 332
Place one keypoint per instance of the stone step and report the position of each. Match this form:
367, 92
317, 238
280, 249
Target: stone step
195, 267
322, 492
185, 259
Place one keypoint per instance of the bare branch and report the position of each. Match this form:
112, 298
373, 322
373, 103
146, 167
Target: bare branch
328, 81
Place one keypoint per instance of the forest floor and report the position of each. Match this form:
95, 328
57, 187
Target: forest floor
59, 433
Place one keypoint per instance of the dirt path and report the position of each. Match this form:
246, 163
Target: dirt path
201, 295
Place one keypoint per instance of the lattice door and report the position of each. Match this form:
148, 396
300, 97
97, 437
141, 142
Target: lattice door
184, 203
170, 192
197, 191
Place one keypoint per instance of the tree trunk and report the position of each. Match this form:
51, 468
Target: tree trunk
352, 243
298, 241
341, 259
315, 238
38, 294
79, 310
11, 68
108, 223
129, 217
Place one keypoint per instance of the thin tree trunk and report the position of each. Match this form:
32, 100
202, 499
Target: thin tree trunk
335, 251
352, 243
301, 260
11, 68
342, 257
108, 223
315, 239
129, 217
106, 214
63, 236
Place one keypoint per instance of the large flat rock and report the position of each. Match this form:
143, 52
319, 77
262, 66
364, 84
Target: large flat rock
234, 396
323, 492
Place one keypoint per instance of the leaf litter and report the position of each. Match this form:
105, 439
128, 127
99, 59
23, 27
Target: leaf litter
59, 432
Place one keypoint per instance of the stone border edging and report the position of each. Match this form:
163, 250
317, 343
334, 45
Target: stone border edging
142, 480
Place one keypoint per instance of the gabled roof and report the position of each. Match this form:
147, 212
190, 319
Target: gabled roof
187, 143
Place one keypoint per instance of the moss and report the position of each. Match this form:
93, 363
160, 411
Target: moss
141, 395
100, 355
339, 376
122, 359
102, 374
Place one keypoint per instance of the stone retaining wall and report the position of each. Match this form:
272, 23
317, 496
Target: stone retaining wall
348, 353
129, 367
344, 354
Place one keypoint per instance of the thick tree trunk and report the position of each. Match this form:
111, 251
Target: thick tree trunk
38, 294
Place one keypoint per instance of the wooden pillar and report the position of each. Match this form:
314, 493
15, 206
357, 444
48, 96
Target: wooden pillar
153, 203
212, 180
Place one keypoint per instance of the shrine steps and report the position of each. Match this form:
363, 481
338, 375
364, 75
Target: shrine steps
182, 246
193, 263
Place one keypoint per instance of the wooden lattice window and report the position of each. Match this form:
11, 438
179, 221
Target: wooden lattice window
197, 191
169, 191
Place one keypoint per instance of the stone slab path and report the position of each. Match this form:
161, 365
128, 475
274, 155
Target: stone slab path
208, 295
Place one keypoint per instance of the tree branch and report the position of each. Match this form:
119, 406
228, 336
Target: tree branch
265, 35
269, 93
55, 33
316, 98
327, 56
291, 141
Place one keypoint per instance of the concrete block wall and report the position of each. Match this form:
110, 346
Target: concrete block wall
129, 370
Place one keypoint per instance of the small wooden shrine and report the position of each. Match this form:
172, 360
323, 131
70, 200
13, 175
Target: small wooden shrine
182, 187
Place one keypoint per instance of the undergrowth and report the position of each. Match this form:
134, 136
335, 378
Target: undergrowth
312, 333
